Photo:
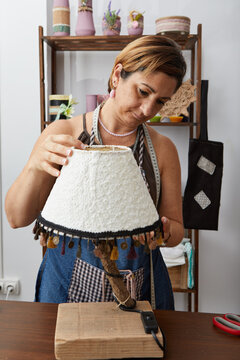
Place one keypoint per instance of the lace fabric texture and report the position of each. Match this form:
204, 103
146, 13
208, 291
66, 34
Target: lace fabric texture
100, 191
180, 101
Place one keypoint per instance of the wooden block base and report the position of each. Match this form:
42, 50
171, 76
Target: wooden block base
103, 331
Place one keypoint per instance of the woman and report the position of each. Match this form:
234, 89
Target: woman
145, 75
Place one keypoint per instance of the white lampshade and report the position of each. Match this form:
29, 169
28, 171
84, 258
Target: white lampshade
100, 194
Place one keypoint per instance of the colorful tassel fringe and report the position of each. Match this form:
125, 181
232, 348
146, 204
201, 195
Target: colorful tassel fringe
132, 252
79, 250
63, 246
114, 253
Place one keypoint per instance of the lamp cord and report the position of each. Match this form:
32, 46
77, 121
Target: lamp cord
9, 290
161, 346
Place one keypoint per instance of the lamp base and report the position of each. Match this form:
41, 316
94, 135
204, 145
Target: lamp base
103, 331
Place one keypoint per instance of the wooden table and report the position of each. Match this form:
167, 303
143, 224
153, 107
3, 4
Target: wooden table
27, 333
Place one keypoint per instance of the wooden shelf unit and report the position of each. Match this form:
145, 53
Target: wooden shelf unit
107, 43
191, 42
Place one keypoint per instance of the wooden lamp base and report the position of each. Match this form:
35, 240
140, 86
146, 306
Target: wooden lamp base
103, 331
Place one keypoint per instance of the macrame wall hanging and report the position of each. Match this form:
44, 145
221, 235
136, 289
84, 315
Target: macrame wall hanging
180, 101
101, 197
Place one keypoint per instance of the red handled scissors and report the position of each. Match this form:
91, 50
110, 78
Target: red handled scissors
229, 323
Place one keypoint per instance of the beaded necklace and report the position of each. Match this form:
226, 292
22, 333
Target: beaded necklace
114, 134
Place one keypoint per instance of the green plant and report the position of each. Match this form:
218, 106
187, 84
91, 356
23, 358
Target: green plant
110, 16
68, 109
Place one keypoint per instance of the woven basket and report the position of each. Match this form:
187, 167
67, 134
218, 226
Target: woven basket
173, 24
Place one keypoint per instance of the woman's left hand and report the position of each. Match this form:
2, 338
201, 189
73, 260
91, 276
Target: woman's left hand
152, 243
151, 240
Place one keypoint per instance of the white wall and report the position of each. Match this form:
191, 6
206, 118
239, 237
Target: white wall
20, 126
219, 288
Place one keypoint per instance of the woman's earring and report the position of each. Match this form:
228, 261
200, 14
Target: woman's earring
112, 93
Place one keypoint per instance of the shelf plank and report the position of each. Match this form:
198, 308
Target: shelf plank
184, 290
108, 43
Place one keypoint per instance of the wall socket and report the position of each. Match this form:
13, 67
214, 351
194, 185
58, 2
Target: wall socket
13, 284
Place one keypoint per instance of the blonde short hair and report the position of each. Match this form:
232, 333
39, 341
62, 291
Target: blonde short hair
150, 54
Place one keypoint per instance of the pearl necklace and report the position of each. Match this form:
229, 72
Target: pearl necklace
114, 134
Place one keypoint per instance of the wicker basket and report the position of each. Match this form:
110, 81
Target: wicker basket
173, 24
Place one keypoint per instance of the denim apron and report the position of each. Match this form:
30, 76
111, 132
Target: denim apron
67, 278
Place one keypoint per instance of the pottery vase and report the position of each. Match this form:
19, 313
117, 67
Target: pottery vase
55, 102
111, 30
91, 102
135, 27
85, 25
61, 18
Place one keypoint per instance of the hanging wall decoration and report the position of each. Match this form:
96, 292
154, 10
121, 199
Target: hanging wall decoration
61, 18
135, 23
85, 25
111, 22
179, 102
117, 205
202, 194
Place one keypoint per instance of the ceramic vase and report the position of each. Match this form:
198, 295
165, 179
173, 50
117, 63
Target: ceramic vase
85, 25
111, 30
91, 102
135, 27
101, 98
61, 18
54, 104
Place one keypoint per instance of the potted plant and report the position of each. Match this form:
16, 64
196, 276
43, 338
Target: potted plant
135, 23
111, 23
61, 106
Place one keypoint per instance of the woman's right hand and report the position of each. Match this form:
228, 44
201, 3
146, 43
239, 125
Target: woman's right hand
29, 192
52, 151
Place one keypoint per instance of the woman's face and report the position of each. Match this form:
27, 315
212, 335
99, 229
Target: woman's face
140, 97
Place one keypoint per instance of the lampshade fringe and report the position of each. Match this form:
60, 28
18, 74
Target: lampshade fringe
63, 245
52, 238
50, 243
124, 245
146, 247
132, 252
79, 250
114, 253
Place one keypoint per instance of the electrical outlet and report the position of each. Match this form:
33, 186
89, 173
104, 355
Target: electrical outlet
13, 284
